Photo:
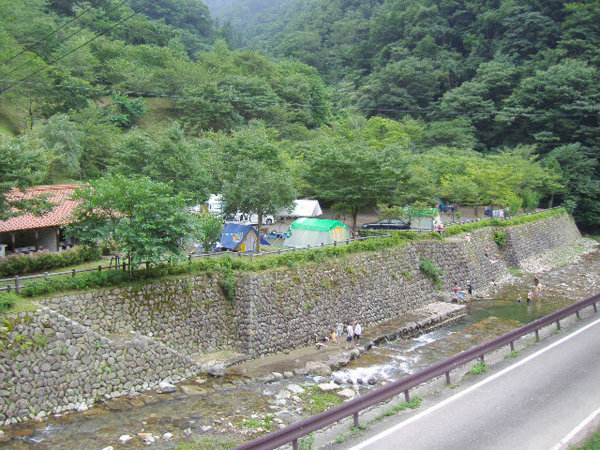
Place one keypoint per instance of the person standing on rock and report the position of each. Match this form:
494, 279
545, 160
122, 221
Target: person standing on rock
340, 331
357, 332
469, 288
349, 336
536, 280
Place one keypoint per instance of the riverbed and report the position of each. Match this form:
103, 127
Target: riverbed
210, 410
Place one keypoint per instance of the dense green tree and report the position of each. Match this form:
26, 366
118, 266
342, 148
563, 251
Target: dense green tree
352, 176
256, 181
137, 216
24, 164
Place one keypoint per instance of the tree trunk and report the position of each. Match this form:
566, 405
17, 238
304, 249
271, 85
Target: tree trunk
354, 215
260, 217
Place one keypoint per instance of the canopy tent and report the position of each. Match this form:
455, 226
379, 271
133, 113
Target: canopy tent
241, 238
303, 208
314, 232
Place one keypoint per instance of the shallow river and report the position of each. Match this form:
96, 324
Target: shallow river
207, 409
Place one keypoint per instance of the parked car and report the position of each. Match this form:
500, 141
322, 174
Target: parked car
388, 224
250, 219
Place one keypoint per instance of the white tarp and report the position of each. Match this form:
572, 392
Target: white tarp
304, 208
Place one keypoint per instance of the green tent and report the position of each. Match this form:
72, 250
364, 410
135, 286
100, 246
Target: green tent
314, 232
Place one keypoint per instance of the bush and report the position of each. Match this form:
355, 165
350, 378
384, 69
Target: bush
432, 272
45, 260
7, 301
500, 238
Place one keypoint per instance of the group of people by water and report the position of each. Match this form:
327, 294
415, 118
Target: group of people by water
353, 332
534, 291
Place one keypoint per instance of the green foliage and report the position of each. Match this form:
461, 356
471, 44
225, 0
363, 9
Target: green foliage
478, 368
123, 111
468, 227
7, 301
316, 401
512, 354
414, 403
140, 217
593, 443
44, 260
209, 231
499, 238
433, 273
23, 164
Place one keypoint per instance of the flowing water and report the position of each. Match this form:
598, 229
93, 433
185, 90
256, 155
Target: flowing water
207, 409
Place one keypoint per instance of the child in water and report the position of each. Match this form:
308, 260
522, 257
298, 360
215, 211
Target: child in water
519, 300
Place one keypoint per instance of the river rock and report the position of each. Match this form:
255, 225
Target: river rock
372, 381
347, 393
328, 387
206, 428
288, 374
295, 389
165, 387
216, 370
125, 438
318, 368
167, 436
300, 371
284, 394
278, 376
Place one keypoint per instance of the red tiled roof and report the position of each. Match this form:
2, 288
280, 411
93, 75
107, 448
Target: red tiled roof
59, 215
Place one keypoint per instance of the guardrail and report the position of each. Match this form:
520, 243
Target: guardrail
292, 433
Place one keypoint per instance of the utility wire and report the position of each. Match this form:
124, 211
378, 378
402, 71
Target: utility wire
83, 27
80, 46
147, 94
56, 30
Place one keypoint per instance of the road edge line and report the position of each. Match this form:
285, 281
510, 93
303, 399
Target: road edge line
469, 389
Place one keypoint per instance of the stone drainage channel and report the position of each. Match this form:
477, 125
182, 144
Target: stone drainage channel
219, 411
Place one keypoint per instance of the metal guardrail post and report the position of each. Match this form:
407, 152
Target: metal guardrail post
537, 335
355, 417
595, 307
407, 396
558, 324
448, 378
482, 360
295, 444
512, 346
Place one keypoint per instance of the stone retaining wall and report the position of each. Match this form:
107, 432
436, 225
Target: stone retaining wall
52, 364
118, 341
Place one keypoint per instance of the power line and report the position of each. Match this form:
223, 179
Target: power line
83, 27
80, 46
56, 30
147, 94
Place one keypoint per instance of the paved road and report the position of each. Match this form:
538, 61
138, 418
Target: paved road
532, 404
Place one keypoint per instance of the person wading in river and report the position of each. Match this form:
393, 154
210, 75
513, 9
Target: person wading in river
349, 336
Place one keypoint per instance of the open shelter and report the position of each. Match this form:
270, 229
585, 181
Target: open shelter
314, 232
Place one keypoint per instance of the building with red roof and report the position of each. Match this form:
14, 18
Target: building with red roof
28, 232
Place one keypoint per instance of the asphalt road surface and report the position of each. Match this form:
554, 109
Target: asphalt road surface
536, 403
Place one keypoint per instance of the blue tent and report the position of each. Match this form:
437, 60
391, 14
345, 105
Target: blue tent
241, 238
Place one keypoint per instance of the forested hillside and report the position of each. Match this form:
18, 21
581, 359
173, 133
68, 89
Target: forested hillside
357, 103
511, 72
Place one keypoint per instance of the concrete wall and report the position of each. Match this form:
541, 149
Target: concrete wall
117, 341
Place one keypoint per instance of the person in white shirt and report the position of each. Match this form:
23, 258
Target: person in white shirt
349, 336
357, 332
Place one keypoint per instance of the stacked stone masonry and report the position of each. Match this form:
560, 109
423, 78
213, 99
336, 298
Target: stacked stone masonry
120, 341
